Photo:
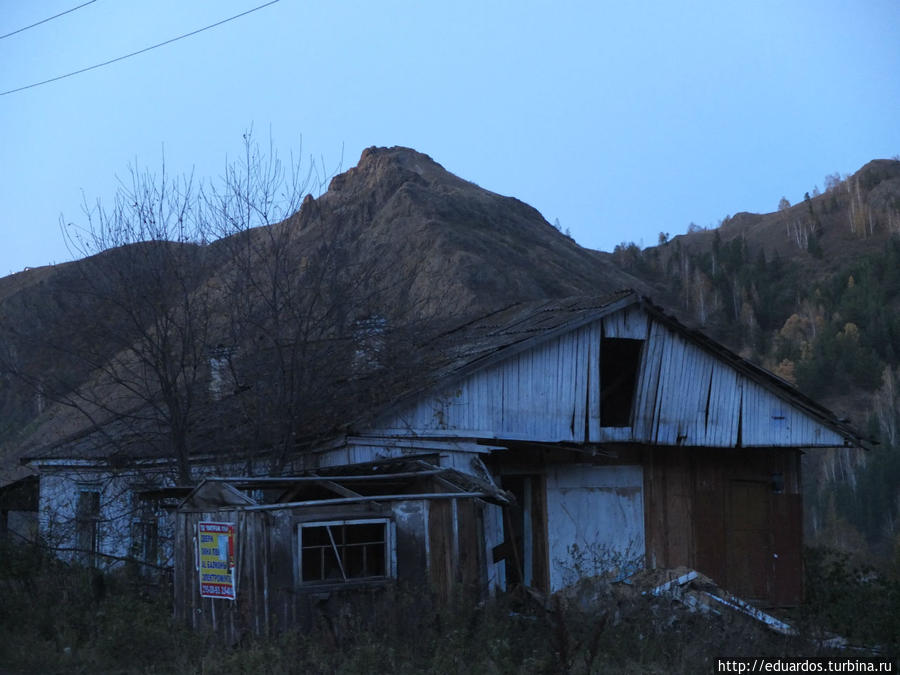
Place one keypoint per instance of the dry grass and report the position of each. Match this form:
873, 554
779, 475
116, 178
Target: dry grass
56, 619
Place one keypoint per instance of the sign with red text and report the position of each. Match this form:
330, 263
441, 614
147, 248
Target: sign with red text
217, 573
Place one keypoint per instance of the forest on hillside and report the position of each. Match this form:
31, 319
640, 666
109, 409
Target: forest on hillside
812, 292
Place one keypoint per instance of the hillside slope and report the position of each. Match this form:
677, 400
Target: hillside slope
812, 292
397, 236
456, 248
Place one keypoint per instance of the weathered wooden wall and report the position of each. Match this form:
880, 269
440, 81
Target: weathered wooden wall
685, 395
456, 552
721, 513
538, 394
438, 547
231, 619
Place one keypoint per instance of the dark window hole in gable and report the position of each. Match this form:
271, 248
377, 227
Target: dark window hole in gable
620, 359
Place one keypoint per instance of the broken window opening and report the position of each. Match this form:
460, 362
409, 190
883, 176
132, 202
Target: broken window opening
145, 532
620, 360
145, 541
342, 551
525, 533
87, 525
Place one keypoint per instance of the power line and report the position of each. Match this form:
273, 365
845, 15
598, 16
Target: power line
55, 16
140, 51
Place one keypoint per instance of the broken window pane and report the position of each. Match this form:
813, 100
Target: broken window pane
343, 551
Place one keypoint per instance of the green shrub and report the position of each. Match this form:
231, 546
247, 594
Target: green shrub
852, 599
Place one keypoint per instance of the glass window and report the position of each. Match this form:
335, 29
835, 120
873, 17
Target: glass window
342, 551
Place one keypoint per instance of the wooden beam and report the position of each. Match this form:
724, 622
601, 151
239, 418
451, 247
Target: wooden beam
340, 489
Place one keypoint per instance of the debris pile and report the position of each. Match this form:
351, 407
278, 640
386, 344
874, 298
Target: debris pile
687, 588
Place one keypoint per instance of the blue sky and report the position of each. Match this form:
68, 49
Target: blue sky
619, 119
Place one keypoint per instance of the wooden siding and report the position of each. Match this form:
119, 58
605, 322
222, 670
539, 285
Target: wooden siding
719, 513
539, 394
456, 549
685, 395
437, 546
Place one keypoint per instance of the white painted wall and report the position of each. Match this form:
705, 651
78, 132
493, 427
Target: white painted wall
595, 521
58, 503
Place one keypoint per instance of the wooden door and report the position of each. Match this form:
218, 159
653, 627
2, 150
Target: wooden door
748, 540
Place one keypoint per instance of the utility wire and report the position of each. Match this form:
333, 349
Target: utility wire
140, 51
55, 16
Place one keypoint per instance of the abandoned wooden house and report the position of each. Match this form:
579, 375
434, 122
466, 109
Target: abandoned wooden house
305, 536
617, 437
541, 443
107, 492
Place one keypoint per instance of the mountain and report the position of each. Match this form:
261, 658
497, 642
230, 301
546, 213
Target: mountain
458, 248
772, 285
397, 238
811, 292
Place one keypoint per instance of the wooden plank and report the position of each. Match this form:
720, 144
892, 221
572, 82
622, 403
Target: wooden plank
612, 325
581, 375
659, 410
564, 390
709, 517
679, 511
655, 512
723, 412
787, 533
648, 380
684, 395
700, 385
593, 404
541, 561
567, 387
670, 367
637, 323
471, 547
748, 400
440, 548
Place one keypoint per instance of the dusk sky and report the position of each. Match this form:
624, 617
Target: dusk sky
619, 119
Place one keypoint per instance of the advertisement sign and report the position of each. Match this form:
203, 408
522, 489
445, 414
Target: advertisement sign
217, 573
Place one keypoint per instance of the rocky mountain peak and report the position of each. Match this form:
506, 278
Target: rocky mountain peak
456, 246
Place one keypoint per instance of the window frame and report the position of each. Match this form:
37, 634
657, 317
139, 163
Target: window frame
390, 552
87, 524
145, 541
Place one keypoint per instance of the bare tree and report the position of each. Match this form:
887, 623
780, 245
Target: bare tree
308, 321
286, 296
145, 268
225, 317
